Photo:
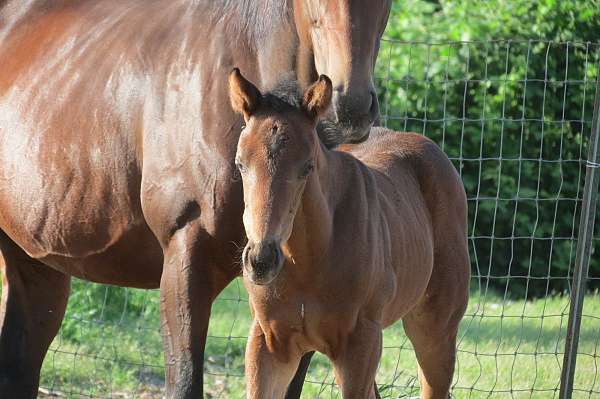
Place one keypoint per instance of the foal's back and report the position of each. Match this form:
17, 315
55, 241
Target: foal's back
412, 162
397, 154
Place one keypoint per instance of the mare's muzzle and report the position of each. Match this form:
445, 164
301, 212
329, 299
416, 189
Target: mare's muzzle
353, 115
262, 261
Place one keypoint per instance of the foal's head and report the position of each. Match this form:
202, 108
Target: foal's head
275, 156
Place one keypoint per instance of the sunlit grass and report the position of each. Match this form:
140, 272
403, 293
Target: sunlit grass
507, 348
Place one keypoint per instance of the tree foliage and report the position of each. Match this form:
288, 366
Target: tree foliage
507, 89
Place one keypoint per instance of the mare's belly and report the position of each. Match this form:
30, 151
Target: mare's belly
69, 195
134, 260
102, 241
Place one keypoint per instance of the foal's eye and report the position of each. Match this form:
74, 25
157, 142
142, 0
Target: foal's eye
307, 169
241, 168
237, 174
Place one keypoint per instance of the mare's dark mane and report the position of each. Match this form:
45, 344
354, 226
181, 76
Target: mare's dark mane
255, 19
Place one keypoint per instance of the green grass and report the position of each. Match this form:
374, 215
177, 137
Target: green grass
505, 347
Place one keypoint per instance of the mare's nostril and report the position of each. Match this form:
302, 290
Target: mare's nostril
373, 109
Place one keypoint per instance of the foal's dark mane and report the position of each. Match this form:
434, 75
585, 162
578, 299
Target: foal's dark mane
287, 96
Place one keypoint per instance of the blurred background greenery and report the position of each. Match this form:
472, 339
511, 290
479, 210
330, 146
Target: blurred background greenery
507, 89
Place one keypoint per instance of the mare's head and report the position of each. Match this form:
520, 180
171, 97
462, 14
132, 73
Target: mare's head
343, 37
275, 156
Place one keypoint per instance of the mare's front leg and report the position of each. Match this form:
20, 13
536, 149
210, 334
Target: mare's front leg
356, 363
190, 282
295, 389
268, 374
34, 298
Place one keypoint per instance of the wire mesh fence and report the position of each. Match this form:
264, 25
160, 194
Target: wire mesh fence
515, 119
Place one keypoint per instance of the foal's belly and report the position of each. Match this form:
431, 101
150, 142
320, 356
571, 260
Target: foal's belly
409, 263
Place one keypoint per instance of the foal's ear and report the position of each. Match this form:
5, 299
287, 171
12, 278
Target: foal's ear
317, 97
244, 96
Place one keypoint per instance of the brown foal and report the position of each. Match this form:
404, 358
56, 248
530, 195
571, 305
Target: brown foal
341, 244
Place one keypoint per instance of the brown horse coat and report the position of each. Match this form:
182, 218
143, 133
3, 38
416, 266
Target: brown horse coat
117, 145
375, 233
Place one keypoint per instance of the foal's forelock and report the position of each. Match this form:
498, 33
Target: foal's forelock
275, 147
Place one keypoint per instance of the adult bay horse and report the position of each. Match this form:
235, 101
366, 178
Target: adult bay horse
117, 147
342, 244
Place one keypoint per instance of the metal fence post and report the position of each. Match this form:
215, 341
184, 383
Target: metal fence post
584, 251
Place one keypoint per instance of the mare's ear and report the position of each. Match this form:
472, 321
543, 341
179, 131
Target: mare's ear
317, 97
244, 96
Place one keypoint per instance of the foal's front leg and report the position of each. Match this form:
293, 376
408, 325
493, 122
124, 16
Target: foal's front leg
267, 374
356, 364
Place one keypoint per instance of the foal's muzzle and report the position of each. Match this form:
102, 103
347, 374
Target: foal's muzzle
262, 261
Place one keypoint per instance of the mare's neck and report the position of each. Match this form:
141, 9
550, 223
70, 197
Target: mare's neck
261, 36
278, 49
276, 56
269, 28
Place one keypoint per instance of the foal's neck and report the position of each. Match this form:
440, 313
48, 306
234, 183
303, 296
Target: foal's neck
313, 225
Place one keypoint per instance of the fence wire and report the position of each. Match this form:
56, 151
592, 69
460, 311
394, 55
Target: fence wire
514, 117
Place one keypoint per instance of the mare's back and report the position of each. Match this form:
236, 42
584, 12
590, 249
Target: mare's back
81, 81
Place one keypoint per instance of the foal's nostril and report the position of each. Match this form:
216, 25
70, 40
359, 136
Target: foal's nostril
263, 256
278, 255
245, 255
267, 254
260, 269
